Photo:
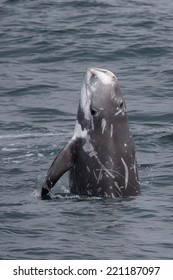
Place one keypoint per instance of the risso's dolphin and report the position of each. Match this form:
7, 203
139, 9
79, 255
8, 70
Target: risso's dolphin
101, 153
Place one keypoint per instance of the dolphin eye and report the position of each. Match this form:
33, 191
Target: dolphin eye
93, 78
93, 75
93, 111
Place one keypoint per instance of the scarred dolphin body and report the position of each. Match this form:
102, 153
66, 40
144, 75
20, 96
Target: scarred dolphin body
101, 153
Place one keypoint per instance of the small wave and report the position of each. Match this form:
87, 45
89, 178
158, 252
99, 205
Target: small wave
167, 138
5, 149
65, 196
68, 196
30, 135
77, 197
35, 193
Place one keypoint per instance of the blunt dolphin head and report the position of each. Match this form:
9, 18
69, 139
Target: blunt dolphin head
101, 97
101, 153
97, 85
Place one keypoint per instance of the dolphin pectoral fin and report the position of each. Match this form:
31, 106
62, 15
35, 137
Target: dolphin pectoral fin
62, 163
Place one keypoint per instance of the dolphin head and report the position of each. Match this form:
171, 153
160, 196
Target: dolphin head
101, 98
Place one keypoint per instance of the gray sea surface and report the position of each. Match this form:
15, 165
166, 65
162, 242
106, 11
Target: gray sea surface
45, 49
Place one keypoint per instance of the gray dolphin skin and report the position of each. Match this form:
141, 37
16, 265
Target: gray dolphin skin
101, 153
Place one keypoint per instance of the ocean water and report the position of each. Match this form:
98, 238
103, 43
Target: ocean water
45, 49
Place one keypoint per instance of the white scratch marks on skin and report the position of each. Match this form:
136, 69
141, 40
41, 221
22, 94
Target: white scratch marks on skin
88, 169
103, 125
88, 147
95, 175
118, 112
112, 130
125, 145
99, 190
100, 175
106, 195
85, 101
78, 132
112, 195
111, 161
105, 169
89, 192
117, 189
135, 172
92, 123
93, 154
126, 173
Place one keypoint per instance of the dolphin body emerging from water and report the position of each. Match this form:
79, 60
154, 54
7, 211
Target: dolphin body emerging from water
101, 153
